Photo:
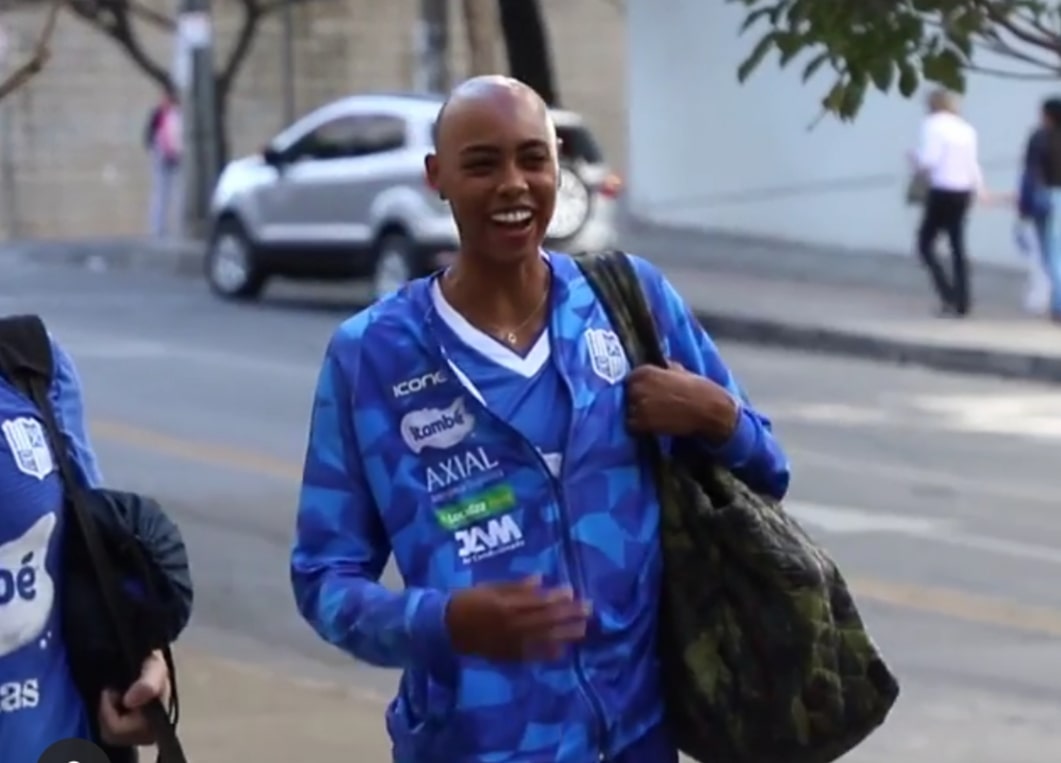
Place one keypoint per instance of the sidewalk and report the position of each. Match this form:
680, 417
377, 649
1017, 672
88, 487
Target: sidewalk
234, 712
871, 323
875, 306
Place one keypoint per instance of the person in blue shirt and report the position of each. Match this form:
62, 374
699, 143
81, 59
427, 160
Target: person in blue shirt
39, 703
479, 425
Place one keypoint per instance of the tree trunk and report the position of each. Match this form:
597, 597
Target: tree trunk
481, 24
527, 44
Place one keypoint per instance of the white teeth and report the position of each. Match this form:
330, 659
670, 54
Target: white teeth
514, 217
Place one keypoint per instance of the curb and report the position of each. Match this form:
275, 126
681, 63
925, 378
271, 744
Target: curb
181, 258
185, 259
964, 360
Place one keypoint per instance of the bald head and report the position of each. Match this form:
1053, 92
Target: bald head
496, 154
492, 90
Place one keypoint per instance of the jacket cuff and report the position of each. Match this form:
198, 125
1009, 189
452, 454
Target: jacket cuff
431, 644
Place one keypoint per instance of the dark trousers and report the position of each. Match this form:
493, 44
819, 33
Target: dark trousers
946, 212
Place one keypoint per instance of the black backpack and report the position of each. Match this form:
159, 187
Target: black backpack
127, 587
151, 126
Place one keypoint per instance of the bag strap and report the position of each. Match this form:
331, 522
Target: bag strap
26, 360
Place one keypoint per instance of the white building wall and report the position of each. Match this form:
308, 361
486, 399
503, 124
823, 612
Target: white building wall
706, 151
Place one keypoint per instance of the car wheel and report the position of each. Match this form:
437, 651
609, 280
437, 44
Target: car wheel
393, 264
232, 267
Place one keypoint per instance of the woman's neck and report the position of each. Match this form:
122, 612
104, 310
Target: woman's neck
497, 294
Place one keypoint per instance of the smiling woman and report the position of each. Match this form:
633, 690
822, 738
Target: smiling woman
491, 449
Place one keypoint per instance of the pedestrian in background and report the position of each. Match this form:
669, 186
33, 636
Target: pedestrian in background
947, 158
1033, 210
165, 150
1051, 178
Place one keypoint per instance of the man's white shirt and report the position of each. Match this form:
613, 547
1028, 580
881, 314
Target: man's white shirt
949, 153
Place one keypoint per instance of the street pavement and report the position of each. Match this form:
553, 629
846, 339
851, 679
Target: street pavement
936, 493
777, 294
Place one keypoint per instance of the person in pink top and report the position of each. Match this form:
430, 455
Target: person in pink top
164, 144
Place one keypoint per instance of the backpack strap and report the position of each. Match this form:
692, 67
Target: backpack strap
25, 353
27, 362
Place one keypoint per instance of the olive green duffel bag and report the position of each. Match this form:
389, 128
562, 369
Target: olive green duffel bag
764, 655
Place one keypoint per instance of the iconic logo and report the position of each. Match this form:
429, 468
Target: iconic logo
500, 534
437, 427
418, 384
27, 591
456, 469
606, 355
476, 508
29, 446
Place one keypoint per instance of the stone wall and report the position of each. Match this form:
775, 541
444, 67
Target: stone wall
71, 158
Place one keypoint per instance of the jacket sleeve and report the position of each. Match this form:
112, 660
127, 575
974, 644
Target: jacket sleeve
68, 403
752, 452
341, 546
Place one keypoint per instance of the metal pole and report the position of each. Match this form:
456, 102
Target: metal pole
199, 166
432, 47
289, 62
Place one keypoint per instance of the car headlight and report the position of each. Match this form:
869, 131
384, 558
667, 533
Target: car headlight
572, 206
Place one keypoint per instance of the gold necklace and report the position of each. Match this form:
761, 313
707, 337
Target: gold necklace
511, 336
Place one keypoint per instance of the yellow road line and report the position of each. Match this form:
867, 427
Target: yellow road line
211, 454
944, 602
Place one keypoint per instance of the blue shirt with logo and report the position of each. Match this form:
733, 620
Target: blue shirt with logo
421, 451
39, 703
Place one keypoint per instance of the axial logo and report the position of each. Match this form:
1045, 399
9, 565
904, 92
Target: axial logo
437, 427
418, 383
457, 469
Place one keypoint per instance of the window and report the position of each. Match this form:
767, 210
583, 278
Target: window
353, 136
332, 140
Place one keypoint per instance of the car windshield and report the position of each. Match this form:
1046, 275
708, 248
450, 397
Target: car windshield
578, 145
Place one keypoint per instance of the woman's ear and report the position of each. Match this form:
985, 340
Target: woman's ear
431, 174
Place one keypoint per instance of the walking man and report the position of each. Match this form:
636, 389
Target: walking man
948, 158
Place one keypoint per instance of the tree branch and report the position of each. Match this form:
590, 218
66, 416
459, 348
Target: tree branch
111, 17
252, 15
39, 57
151, 16
1018, 25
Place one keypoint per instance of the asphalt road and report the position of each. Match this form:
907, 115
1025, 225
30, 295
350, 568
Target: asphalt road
938, 494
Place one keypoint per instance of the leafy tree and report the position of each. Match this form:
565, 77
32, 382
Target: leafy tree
897, 44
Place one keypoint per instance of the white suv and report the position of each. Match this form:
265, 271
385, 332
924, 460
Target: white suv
341, 194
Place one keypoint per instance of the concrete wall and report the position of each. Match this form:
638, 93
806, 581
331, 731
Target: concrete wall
708, 152
71, 161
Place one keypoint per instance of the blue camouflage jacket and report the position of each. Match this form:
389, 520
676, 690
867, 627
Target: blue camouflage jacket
403, 459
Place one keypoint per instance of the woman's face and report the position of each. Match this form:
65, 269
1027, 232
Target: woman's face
497, 166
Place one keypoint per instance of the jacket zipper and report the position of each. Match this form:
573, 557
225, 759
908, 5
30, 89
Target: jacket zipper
574, 567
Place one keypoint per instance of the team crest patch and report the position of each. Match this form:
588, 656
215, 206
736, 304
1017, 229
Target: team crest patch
29, 446
606, 355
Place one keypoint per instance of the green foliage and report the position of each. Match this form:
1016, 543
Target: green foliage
898, 44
